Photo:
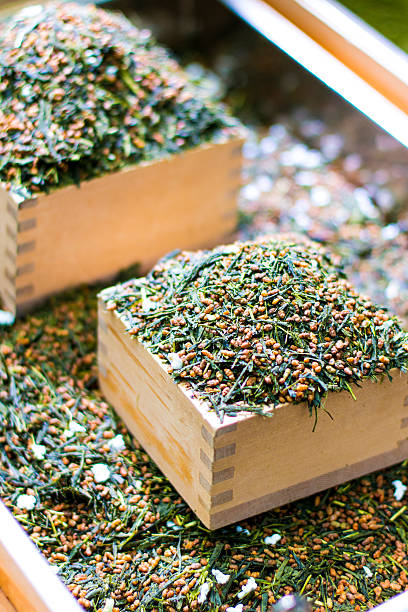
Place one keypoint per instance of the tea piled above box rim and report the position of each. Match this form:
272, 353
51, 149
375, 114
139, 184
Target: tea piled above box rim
258, 324
84, 92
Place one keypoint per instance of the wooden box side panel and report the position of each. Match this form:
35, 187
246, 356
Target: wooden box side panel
279, 459
156, 411
26, 578
8, 251
81, 235
249, 463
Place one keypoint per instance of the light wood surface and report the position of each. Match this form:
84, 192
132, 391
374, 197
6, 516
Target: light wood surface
395, 604
5, 604
249, 464
8, 250
26, 579
82, 235
170, 430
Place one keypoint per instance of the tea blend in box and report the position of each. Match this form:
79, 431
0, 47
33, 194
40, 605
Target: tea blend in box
84, 92
258, 324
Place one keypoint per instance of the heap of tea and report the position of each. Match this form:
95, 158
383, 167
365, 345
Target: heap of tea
258, 324
84, 92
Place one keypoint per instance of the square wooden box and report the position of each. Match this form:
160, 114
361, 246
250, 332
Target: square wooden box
249, 463
82, 235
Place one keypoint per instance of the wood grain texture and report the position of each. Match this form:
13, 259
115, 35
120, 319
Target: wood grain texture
26, 578
8, 250
5, 604
134, 380
83, 235
248, 464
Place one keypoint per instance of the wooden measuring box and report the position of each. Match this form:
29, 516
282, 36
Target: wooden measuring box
249, 463
82, 235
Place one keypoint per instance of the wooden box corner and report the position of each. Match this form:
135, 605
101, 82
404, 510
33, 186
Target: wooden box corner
249, 463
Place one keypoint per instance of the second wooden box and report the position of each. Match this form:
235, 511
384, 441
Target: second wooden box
250, 463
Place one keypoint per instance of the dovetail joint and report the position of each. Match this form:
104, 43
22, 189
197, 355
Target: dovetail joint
27, 224
26, 247
224, 451
26, 291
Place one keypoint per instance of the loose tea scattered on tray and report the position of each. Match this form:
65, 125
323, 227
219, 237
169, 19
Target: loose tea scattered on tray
260, 323
130, 543
84, 92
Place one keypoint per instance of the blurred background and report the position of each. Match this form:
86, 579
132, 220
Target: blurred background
313, 164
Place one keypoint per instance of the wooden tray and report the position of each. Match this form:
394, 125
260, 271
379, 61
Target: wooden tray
75, 236
341, 50
5, 604
248, 464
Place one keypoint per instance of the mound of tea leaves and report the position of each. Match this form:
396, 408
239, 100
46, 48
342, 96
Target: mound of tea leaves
258, 324
84, 92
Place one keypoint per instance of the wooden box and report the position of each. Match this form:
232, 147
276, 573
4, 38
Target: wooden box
81, 235
249, 463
